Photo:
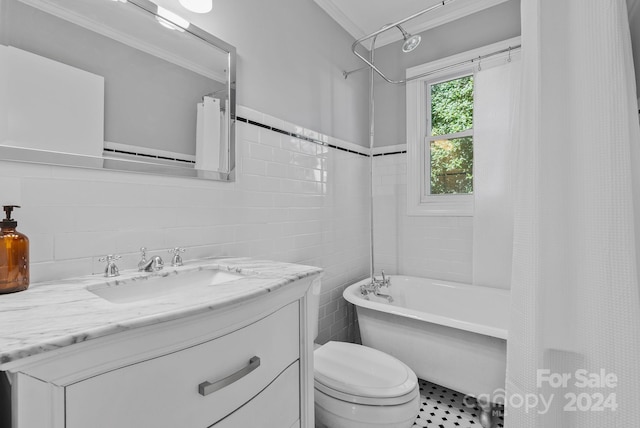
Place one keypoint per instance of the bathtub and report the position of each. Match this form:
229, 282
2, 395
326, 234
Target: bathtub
449, 333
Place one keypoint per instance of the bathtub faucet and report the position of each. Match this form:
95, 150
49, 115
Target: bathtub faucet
386, 281
373, 287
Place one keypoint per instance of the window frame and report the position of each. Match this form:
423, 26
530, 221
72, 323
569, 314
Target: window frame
425, 193
418, 98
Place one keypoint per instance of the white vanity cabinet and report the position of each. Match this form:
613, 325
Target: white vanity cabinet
249, 364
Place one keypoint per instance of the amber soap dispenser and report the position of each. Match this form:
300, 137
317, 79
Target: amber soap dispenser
14, 255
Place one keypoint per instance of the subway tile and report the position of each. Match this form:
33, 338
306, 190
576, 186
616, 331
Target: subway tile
277, 170
290, 143
293, 200
308, 161
270, 139
310, 240
246, 132
438, 247
260, 151
309, 174
331, 307
260, 183
283, 156
76, 245
254, 166
40, 247
59, 269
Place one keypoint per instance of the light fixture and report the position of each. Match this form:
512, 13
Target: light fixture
197, 6
171, 20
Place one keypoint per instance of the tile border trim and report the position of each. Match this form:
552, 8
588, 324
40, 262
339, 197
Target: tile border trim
265, 121
301, 137
390, 150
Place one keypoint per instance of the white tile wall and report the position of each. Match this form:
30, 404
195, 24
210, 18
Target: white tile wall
293, 201
432, 247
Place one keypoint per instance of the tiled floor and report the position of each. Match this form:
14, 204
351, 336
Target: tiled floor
445, 408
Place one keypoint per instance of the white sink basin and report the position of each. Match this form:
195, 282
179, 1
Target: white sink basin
142, 288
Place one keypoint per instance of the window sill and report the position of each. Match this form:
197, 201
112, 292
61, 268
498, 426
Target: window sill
439, 207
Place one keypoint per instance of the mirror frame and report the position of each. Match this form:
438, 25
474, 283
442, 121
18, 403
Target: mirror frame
146, 165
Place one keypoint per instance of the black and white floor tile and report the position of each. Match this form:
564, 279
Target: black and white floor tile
444, 408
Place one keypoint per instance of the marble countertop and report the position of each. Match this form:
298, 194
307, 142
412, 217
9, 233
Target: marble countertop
50, 315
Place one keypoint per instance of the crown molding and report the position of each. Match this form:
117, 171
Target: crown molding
451, 12
341, 18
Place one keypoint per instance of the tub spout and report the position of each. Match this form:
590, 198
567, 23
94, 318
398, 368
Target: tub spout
373, 287
154, 264
384, 296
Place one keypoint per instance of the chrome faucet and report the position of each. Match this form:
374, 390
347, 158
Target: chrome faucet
154, 264
373, 287
111, 269
385, 282
176, 260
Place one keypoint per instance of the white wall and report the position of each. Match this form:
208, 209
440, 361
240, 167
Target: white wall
290, 203
425, 246
293, 200
291, 55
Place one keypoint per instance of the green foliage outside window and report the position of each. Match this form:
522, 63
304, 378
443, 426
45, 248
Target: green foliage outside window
451, 159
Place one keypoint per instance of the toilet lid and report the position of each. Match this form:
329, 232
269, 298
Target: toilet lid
360, 371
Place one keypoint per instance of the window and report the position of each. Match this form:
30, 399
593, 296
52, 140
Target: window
440, 130
440, 163
449, 145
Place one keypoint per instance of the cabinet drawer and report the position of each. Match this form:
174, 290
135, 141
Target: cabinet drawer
165, 392
278, 406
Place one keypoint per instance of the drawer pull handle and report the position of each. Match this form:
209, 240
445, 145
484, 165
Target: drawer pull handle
206, 388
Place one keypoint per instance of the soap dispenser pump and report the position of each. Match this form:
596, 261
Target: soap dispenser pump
14, 255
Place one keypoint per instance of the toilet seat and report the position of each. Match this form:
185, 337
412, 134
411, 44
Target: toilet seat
363, 375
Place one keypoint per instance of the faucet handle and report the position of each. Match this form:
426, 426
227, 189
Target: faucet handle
111, 269
143, 258
176, 260
386, 280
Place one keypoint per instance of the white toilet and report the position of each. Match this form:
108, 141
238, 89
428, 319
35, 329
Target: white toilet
361, 387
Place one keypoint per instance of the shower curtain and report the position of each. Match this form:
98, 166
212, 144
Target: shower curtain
573, 352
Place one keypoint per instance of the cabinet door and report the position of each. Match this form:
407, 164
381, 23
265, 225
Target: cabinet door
275, 407
166, 391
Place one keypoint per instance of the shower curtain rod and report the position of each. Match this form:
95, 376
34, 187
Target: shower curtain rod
470, 61
440, 4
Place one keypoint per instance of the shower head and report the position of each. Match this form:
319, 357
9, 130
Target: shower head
410, 42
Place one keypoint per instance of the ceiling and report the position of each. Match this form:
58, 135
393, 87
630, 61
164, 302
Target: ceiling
362, 17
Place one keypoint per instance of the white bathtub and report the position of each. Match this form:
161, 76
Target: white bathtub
449, 333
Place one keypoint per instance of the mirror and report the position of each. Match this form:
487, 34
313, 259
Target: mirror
115, 84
